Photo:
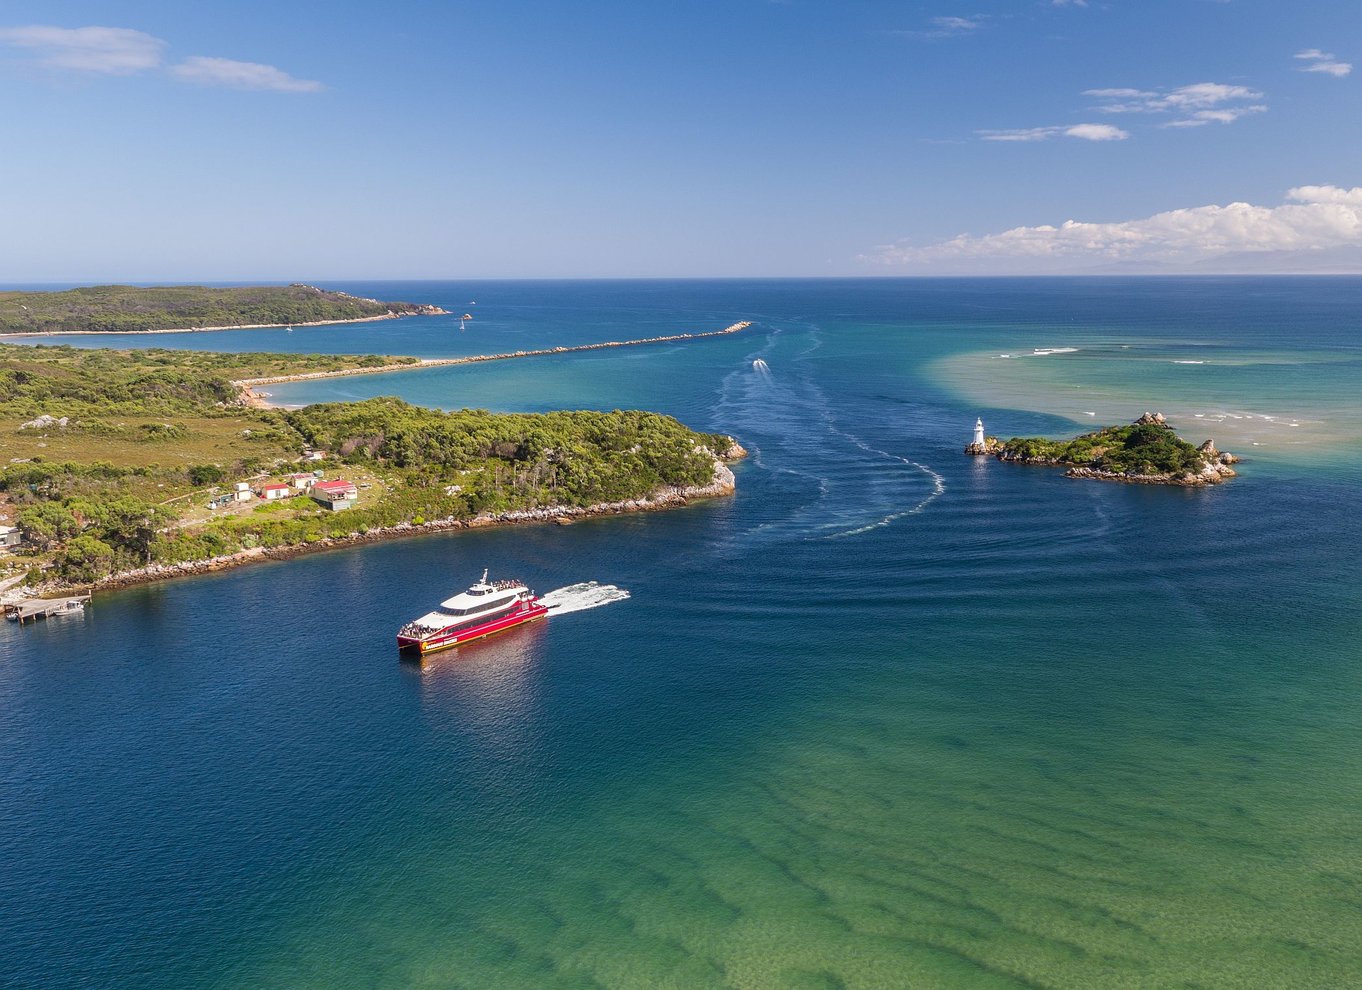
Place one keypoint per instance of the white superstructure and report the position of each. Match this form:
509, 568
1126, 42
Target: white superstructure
482, 601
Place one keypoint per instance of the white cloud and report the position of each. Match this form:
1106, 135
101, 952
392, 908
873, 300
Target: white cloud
1313, 218
1206, 95
1096, 132
114, 51
1086, 132
1192, 106
947, 27
1325, 62
1020, 134
241, 75
957, 24
1069, 3
1226, 116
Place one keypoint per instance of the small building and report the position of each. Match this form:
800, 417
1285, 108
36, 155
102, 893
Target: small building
275, 491
10, 537
302, 481
335, 495
243, 492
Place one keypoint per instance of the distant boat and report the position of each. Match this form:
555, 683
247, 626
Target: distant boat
466, 316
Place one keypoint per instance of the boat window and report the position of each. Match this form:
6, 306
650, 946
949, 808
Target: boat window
479, 607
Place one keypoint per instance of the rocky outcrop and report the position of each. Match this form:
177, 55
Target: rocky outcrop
991, 447
1211, 474
733, 452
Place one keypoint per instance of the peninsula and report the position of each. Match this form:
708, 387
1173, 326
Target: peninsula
125, 466
1148, 452
189, 308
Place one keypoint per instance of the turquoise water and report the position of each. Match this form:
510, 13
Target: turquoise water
891, 717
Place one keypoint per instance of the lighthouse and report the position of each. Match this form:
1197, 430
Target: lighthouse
978, 446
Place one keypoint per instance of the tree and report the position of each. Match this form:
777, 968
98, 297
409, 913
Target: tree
48, 523
85, 558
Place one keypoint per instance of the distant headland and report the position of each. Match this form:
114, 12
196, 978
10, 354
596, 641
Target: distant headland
189, 308
1146, 452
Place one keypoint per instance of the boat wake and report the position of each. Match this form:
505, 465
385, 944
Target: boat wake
582, 596
840, 484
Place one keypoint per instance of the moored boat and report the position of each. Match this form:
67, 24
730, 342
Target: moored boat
486, 608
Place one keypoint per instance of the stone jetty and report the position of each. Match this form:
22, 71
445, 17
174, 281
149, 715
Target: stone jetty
247, 384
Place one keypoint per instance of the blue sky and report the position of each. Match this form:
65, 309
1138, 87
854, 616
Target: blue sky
738, 137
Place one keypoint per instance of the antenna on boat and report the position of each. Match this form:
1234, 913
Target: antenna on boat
484, 576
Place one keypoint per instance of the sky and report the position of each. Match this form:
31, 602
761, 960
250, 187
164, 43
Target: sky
281, 141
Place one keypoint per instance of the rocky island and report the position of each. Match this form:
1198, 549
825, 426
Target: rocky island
185, 308
1146, 452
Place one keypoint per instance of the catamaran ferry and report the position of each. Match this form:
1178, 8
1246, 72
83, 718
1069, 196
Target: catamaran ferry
484, 609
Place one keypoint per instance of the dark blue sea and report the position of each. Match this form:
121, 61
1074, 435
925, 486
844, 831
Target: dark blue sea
890, 717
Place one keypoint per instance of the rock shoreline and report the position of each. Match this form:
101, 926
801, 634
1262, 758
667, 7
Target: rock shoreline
721, 484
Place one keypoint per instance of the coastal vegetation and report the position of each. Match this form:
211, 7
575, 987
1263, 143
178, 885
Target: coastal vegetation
128, 308
109, 460
1147, 450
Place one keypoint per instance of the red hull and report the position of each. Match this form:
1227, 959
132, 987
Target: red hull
521, 614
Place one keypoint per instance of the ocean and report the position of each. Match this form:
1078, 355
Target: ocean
890, 717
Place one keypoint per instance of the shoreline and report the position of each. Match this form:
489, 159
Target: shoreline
240, 326
251, 398
721, 485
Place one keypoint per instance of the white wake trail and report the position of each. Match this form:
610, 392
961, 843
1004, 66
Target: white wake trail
582, 596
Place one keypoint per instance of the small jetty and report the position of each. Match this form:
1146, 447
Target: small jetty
44, 608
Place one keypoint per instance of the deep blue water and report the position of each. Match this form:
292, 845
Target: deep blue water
890, 717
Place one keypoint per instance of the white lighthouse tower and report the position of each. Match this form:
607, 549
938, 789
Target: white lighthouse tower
979, 432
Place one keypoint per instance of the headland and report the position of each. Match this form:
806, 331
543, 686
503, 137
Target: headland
121, 467
189, 309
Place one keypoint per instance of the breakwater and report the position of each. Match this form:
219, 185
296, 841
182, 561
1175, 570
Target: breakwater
246, 384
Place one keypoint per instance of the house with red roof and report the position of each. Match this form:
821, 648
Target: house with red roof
335, 495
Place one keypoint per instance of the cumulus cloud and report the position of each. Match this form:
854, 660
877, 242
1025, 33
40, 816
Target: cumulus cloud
1086, 132
1312, 218
114, 51
1190, 106
227, 72
1325, 62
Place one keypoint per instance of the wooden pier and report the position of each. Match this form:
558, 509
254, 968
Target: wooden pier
42, 608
